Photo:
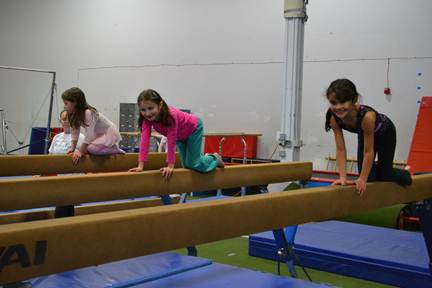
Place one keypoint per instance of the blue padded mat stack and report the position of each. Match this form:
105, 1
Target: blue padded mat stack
378, 254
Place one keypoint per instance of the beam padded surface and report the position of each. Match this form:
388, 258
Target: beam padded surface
107, 237
48, 213
65, 190
62, 164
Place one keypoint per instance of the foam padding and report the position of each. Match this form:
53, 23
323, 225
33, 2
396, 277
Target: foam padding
69, 243
38, 192
61, 164
420, 154
219, 275
167, 270
389, 256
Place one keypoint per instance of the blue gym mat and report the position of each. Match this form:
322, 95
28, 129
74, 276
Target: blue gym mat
166, 270
378, 254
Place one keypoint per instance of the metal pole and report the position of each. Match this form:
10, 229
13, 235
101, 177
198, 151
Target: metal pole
47, 135
25, 69
48, 131
220, 145
3, 129
219, 191
243, 188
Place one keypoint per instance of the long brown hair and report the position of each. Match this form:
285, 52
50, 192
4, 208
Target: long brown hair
344, 90
151, 95
76, 96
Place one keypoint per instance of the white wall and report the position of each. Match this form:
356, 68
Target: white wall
366, 32
222, 59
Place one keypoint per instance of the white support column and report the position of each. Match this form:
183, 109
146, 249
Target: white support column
290, 135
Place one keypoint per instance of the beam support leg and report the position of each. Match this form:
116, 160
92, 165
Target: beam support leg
166, 200
285, 252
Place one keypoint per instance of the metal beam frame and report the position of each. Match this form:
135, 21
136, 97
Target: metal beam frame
53, 88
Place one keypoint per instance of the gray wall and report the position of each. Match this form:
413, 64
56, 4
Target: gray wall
221, 59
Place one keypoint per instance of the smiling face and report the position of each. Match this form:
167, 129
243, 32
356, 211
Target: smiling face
341, 110
150, 110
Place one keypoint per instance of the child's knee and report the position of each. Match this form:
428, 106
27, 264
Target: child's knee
92, 149
191, 165
96, 149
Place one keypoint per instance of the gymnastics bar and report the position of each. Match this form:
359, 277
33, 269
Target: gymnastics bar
39, 192
50, 246
26, 216
11, 165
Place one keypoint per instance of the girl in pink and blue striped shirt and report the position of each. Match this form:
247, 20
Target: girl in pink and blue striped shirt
182, 129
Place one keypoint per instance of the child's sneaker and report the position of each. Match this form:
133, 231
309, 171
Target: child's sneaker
408, 168
403, 177
220, 163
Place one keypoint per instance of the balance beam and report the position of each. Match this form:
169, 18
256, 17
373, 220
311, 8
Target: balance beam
39, 192
52, 246
18, 217
62, 164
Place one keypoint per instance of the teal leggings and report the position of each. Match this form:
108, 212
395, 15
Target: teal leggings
190, 152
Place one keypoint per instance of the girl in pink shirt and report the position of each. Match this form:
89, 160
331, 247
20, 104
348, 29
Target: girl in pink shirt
182, 129
101, 135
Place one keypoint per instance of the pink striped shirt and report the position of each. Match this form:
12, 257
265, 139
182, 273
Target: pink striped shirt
183, 126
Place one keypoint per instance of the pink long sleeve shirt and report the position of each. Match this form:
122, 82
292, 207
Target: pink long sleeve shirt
184, 125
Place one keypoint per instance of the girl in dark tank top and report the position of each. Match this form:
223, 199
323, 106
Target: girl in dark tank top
376, 137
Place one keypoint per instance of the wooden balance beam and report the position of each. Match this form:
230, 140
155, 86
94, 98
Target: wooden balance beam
62, 164
38, 192
17, 217
46, 247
